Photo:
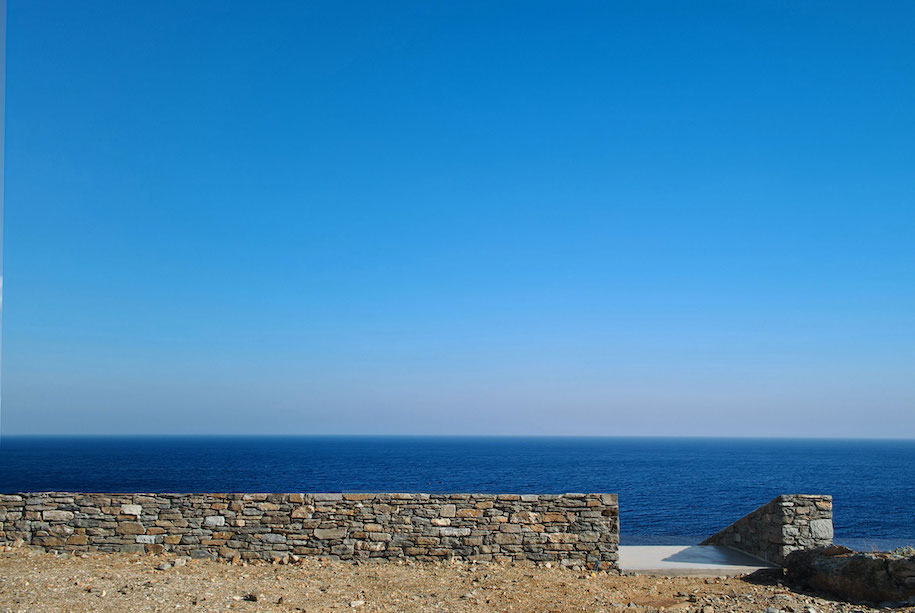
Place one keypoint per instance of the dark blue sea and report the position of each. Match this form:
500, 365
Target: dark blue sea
670, 490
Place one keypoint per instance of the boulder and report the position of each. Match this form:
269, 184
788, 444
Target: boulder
854, 576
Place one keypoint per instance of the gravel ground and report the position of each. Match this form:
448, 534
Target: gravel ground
35, 581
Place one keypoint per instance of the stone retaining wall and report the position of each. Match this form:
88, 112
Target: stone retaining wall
785, 524
569, 529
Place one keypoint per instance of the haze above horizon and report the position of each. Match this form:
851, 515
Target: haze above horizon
475, 218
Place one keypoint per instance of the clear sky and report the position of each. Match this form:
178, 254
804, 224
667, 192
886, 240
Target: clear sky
602, 218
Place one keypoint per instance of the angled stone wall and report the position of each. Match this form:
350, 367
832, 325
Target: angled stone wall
569, 529
787, 523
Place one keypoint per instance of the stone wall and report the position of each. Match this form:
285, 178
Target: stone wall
785, 524
569, 529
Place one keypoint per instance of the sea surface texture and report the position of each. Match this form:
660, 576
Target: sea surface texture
670, 490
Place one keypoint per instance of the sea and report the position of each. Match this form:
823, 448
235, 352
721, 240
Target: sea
671, 490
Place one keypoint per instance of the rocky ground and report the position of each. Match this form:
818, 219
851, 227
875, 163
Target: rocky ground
34, 581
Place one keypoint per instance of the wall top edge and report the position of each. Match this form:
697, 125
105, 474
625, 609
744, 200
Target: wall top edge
803, 496
345, 493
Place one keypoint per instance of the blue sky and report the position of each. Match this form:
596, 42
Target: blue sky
613, 218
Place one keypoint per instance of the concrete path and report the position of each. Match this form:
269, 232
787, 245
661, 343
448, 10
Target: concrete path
693, 560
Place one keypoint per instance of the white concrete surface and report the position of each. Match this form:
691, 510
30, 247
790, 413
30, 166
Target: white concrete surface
694, 560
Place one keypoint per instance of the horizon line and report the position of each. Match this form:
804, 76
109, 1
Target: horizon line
456, 436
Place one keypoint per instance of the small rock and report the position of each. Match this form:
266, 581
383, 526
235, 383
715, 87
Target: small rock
250, 597
164, 566
708, 609
202, 554
357, 603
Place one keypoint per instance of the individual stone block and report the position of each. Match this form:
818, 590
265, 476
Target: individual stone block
303, 512
327, 497
821, 529
525, 517
358, 497
562, 537
54, 515
455, 531
330, 533
273, 538
129, 528
507, 538
470, 513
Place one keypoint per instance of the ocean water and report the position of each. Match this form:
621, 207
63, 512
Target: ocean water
670, 490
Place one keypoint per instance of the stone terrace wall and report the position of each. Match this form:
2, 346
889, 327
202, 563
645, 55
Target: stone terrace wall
785, 524
571, 529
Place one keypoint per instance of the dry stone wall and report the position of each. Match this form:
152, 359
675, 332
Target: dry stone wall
785, 524
569, 529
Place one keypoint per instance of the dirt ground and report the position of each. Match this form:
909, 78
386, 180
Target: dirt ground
35, 581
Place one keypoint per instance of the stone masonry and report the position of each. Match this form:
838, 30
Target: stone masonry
785, 524
568, 529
